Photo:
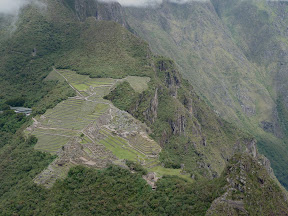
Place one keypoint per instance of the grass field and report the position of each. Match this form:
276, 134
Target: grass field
84, 82
100, 86
165, 171
139, 84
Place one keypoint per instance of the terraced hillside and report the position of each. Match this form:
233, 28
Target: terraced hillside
88, 130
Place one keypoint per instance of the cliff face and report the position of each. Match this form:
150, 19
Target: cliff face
100, 10
248, 179
151, 113
260, 31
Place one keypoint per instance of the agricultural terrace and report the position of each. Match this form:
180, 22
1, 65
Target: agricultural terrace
77, 129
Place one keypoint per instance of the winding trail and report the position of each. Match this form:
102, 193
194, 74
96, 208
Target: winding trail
68, 82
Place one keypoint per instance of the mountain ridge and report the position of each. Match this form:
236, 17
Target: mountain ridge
89, 53
208, 54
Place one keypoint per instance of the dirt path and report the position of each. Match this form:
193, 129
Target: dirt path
68, 82
35, 120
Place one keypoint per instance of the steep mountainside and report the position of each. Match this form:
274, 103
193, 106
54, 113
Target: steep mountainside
248, 179
264, 42
233, 52
111, 120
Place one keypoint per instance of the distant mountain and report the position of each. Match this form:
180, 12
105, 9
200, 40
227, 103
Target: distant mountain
234, 54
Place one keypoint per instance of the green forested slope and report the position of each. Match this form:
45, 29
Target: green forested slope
234, 54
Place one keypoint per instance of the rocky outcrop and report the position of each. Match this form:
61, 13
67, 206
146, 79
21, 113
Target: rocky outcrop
224, 206
178, 126
248, 179
252, 148
171, 76
151, 179
151, 113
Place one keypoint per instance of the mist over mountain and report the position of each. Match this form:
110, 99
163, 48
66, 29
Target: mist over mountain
8, 7
145, 3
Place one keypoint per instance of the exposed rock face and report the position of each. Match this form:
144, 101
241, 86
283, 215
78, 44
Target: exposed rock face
151, 179
151, 112
249, 184
252, 148
267, 165
172, 78
267, 126
100, 10
178, 126
224, 206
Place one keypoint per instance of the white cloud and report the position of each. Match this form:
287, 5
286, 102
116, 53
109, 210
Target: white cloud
144, 3
12, 7
135, 3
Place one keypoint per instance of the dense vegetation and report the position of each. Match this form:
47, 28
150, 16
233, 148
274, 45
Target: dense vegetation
26, 59
113, 191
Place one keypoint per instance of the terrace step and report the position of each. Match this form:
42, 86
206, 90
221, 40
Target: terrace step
105, 141
154, 165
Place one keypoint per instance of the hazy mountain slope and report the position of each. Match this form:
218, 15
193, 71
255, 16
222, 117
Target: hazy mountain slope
260, 30
209, 56
203, 48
